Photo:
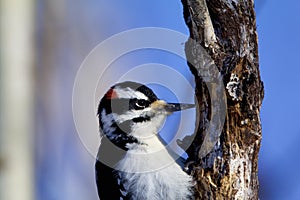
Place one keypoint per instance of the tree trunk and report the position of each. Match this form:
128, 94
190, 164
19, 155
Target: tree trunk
222, 53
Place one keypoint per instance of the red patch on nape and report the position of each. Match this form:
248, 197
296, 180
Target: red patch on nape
111, 94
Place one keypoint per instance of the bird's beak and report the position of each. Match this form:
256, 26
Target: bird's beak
173, 107
160, 105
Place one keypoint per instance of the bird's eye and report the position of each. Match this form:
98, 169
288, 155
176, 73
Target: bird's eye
141, 103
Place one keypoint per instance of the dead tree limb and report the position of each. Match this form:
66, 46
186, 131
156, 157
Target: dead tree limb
222, 53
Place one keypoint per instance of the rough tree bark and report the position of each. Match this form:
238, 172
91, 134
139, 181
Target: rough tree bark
222, 54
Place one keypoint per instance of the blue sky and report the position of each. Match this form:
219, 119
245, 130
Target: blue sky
278, 28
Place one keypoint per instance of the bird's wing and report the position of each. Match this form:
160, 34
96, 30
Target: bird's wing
107, 185
108, 181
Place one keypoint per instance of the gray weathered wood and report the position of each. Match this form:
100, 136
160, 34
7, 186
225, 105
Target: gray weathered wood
227, 84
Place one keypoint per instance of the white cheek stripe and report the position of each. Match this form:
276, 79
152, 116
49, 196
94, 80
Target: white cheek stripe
129, 93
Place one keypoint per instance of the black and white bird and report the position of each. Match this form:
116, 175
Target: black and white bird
133, 162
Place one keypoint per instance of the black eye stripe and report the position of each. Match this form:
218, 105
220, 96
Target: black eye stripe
139, 104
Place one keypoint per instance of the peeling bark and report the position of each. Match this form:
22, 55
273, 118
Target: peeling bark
222, 53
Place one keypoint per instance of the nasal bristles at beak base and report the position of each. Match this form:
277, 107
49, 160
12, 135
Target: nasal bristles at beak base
158, 105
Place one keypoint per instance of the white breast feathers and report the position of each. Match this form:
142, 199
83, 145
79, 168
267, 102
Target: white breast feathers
153, 175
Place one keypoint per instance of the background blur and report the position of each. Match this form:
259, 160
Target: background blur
43, 44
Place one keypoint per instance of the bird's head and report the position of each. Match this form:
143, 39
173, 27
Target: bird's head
130, 111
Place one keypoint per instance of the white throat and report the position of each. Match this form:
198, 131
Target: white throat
148, 129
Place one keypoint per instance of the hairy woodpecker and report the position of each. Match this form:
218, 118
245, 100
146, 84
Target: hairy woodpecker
132, 161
